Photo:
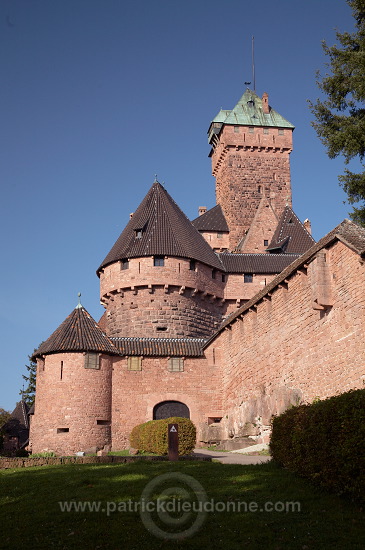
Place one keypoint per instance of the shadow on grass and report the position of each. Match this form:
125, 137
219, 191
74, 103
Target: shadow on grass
30, 509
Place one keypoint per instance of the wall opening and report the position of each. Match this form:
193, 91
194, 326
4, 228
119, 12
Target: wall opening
165, 409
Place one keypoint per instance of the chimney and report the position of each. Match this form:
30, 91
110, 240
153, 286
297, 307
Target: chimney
265, 103
308, 226
131, 215
202, 210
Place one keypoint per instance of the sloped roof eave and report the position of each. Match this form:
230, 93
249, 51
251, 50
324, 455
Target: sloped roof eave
338, 233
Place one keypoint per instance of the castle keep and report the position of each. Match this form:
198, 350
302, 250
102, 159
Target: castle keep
226, 319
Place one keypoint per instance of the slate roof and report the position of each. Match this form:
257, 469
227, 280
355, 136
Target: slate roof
256, 263
166, 231
78, 332
290, 235
152, 347
348, 232
212, 220
249, 112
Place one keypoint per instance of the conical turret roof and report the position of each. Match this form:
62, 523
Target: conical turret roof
78, 332
159, 227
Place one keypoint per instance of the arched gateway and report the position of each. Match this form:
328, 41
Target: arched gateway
166, 409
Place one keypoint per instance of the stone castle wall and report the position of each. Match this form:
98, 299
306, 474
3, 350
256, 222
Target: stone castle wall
248, 165
138, 303
78, 400
136, 393
304, 341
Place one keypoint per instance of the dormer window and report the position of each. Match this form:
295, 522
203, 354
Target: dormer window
158, 261
138, 233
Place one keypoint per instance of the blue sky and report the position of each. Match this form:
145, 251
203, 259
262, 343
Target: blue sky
98, 96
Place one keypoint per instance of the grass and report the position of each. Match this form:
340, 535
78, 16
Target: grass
31, 515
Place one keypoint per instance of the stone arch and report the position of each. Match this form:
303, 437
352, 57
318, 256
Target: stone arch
166, 409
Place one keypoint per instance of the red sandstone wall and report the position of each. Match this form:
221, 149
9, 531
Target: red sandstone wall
287, 350
219, 244
137, 302
82, 397
162, 313
248, 166
135, 393
236, 289
142, 298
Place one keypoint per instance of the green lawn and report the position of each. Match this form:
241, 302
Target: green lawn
31, 517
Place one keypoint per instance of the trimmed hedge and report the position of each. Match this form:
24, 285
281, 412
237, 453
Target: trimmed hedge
151, 436
325, 442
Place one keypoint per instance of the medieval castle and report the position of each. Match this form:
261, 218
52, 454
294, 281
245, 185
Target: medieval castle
226, 319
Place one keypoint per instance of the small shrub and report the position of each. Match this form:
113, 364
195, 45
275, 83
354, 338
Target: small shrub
152, 436
325, 442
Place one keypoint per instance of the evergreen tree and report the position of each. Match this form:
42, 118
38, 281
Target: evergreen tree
340, 118
28, 394
4, 417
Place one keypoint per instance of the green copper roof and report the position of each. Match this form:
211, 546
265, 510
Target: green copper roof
249, 112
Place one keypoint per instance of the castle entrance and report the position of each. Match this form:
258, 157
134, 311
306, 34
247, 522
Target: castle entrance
166, 409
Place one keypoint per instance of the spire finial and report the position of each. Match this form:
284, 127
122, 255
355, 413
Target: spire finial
79, 305
156, 180
253, 64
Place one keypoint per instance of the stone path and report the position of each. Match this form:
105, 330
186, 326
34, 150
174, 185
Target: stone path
232, 458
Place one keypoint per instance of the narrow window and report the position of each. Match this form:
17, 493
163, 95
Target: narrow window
248, 278
176, 364
92, 361
134, 363
61, 372
62, 430
192, 265
219, 235
236, 129
158, 261
223, 277
259, 189
125, 264
214, 273
266, 242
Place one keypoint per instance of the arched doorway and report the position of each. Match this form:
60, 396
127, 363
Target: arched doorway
166, 409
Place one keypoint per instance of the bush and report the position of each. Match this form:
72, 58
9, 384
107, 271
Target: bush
152, 436
325, 442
